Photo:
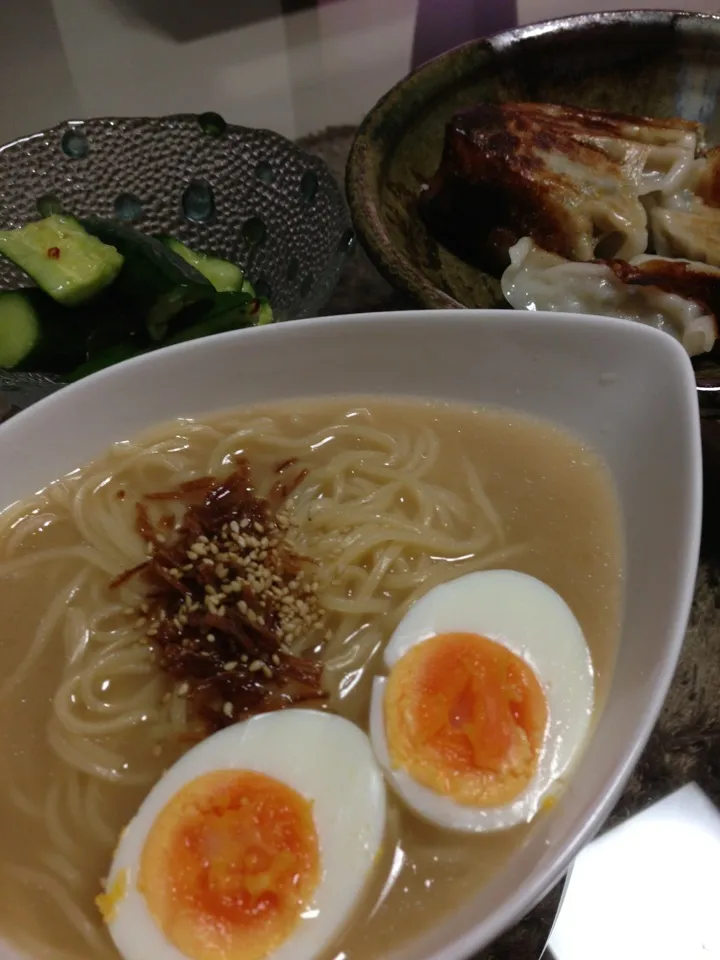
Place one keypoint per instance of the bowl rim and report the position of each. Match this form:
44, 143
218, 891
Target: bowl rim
13, 430
365, 167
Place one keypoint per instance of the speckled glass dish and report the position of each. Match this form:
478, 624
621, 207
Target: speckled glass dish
250, 196
655, 63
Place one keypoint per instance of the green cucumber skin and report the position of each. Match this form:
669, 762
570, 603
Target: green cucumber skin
62, 334
124, 350
83, 265
225, 276
158, 298
132, 243
154, 281
263, 314
20, 329
231, 311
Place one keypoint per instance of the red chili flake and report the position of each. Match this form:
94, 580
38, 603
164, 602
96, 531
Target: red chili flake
254, 307
54, 253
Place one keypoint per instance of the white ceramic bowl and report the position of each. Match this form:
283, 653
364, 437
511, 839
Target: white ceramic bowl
627, 389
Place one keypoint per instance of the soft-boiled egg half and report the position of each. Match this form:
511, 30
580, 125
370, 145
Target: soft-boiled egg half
488, 700
257, 844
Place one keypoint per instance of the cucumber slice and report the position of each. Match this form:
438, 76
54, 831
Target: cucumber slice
231, 311
226, 277
156, 282
108, 358
261, 309
20, 328
261, 312
62, 258
38, 334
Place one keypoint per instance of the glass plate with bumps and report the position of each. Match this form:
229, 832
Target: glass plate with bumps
245, 195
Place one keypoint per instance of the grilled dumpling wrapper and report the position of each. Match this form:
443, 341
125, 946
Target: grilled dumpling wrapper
678, 296
569, 178
685, 221
693, 233
655, 154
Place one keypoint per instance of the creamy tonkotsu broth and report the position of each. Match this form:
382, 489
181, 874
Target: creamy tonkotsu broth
399, 496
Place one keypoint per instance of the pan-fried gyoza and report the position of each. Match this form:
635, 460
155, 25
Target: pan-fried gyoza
604, 204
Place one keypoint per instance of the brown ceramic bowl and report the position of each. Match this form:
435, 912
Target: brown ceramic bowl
644, 62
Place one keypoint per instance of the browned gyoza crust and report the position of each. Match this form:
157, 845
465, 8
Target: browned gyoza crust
555, 173
687, 280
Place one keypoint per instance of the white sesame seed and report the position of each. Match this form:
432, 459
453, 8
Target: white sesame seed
256, 665
228, 709
230, 665
183, 689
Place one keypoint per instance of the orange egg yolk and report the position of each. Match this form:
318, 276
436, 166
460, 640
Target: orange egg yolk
465, 717
230, 864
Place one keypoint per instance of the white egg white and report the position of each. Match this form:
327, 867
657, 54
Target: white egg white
532, 621
326, 759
